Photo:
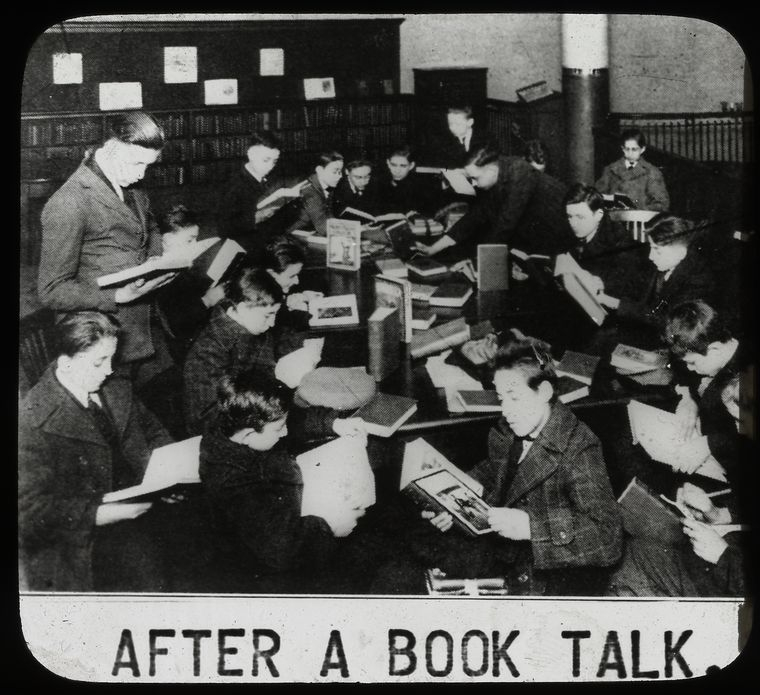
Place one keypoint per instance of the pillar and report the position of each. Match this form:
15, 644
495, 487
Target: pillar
585, 89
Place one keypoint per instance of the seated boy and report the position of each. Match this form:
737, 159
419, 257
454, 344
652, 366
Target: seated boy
318, 195
554, 519
254, 490
404, 190
356, 189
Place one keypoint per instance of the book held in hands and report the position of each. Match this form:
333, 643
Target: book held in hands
386, 412
276, 199
645, 515
575, 281
338, 310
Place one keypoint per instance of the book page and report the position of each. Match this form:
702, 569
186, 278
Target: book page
421, 459
459, 181
222, 260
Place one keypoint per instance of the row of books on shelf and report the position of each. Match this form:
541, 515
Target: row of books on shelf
166, 175
60, 131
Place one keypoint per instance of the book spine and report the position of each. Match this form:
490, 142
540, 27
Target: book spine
375, 349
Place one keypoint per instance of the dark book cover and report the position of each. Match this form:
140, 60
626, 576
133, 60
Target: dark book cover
451, 293
383, 337
646, 516
570, 389
385, 413
439, 338
578, 365
493, 267
423, 317
424, 266
480, 401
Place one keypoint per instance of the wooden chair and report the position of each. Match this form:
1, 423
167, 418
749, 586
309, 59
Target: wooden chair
634, 221
36, 349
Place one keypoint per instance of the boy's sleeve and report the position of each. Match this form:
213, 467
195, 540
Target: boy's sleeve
603, 184
521, 185
657, 193
204, 368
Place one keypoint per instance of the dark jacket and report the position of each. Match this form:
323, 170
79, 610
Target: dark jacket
524, 209
255, 501
185, 313
643, 184
315, 208
615, 257
690, 279
236, 214
366, 201
88, 231
65, 467
415, 191
449, 153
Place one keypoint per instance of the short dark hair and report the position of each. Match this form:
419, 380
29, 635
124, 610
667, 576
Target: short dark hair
178, 217
530, 356
248, 399
357, 163
79, 331
693, 326
137, 128
327, 157
535, 151
265, 139
466, 109
249, 284
282, 252
402, 151
665, 229
485, 154
581, 193
633, 134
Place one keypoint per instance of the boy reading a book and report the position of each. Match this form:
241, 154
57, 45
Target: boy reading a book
254, 488
317, 195
403, 189
553, 516
356, 189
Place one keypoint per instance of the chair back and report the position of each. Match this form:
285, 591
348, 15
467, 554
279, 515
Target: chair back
634, 221
36, 349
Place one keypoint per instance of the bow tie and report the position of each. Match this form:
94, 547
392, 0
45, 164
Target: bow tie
629, 165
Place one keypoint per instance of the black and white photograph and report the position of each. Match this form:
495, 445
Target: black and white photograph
180, 518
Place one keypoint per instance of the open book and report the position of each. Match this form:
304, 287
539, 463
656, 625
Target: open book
338, 310
228, 256
575, 284
658, 433
632, 360
456, 178
281, 196
362, 216
169, 466
293, 367
537, 265
158, 265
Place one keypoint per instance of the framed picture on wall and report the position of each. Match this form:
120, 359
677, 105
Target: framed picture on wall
220, 91
319, 88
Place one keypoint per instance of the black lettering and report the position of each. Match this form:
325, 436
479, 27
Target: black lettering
265, 654
470, 634
636, 658
335, 644
153, 635
501, 652
125, 643
611, 646
672, 653
446, 670
196, 636
576, 636
407, 651
222, 669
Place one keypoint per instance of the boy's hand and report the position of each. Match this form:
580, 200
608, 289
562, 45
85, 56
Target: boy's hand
141, 287
297, 302
691, 454
120, 511
342, 521
518, 274
443, 521
350, 427
510, 523
705, 541
687, 413
213, 296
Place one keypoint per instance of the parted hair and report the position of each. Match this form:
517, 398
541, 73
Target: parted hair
265, 139
530, 356
137, 128
328, 156
248, 399
485, 154
633, 134
250, 284
693, 326
178, 217
282, 252
358, 163
665, 229
582, 193
79, 331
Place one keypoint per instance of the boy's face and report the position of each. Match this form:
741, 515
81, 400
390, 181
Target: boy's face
270, 434
129, 161
359, 177
262, 159
632, 151
399, 167
583, 220
459, 124
180, 240
91, 367
288, 278
523, 408
255, 319
667, 256
484, 177
708, 364
330, 174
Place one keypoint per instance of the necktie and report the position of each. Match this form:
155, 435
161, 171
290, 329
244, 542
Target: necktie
580, 248
658, 283
107, 428
630, 165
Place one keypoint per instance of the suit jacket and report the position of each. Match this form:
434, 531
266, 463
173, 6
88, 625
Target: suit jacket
525, 209
237, 208
644, 184
316, 207
345, 197
65, 467
690, 279
255, 501
88, 231
418, 192
616, 258
449, 153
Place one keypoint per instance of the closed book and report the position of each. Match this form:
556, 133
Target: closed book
451, 293
584, 297
383, 337
439, 338
421, 293
645, 515
396, 292
480, 401
570, 389
493, 267
633, 360
578, 365
423, 317
443, 491
394, 267
385, 413
426, 267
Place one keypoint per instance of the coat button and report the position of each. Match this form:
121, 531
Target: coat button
522, 578
562, 535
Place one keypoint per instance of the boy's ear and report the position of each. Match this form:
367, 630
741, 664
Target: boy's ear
240, 436
545, 390
412, 165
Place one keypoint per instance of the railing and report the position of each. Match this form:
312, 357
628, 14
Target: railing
704, 137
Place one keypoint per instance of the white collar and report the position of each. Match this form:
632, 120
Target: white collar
247, 168
77, 391
102, 162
